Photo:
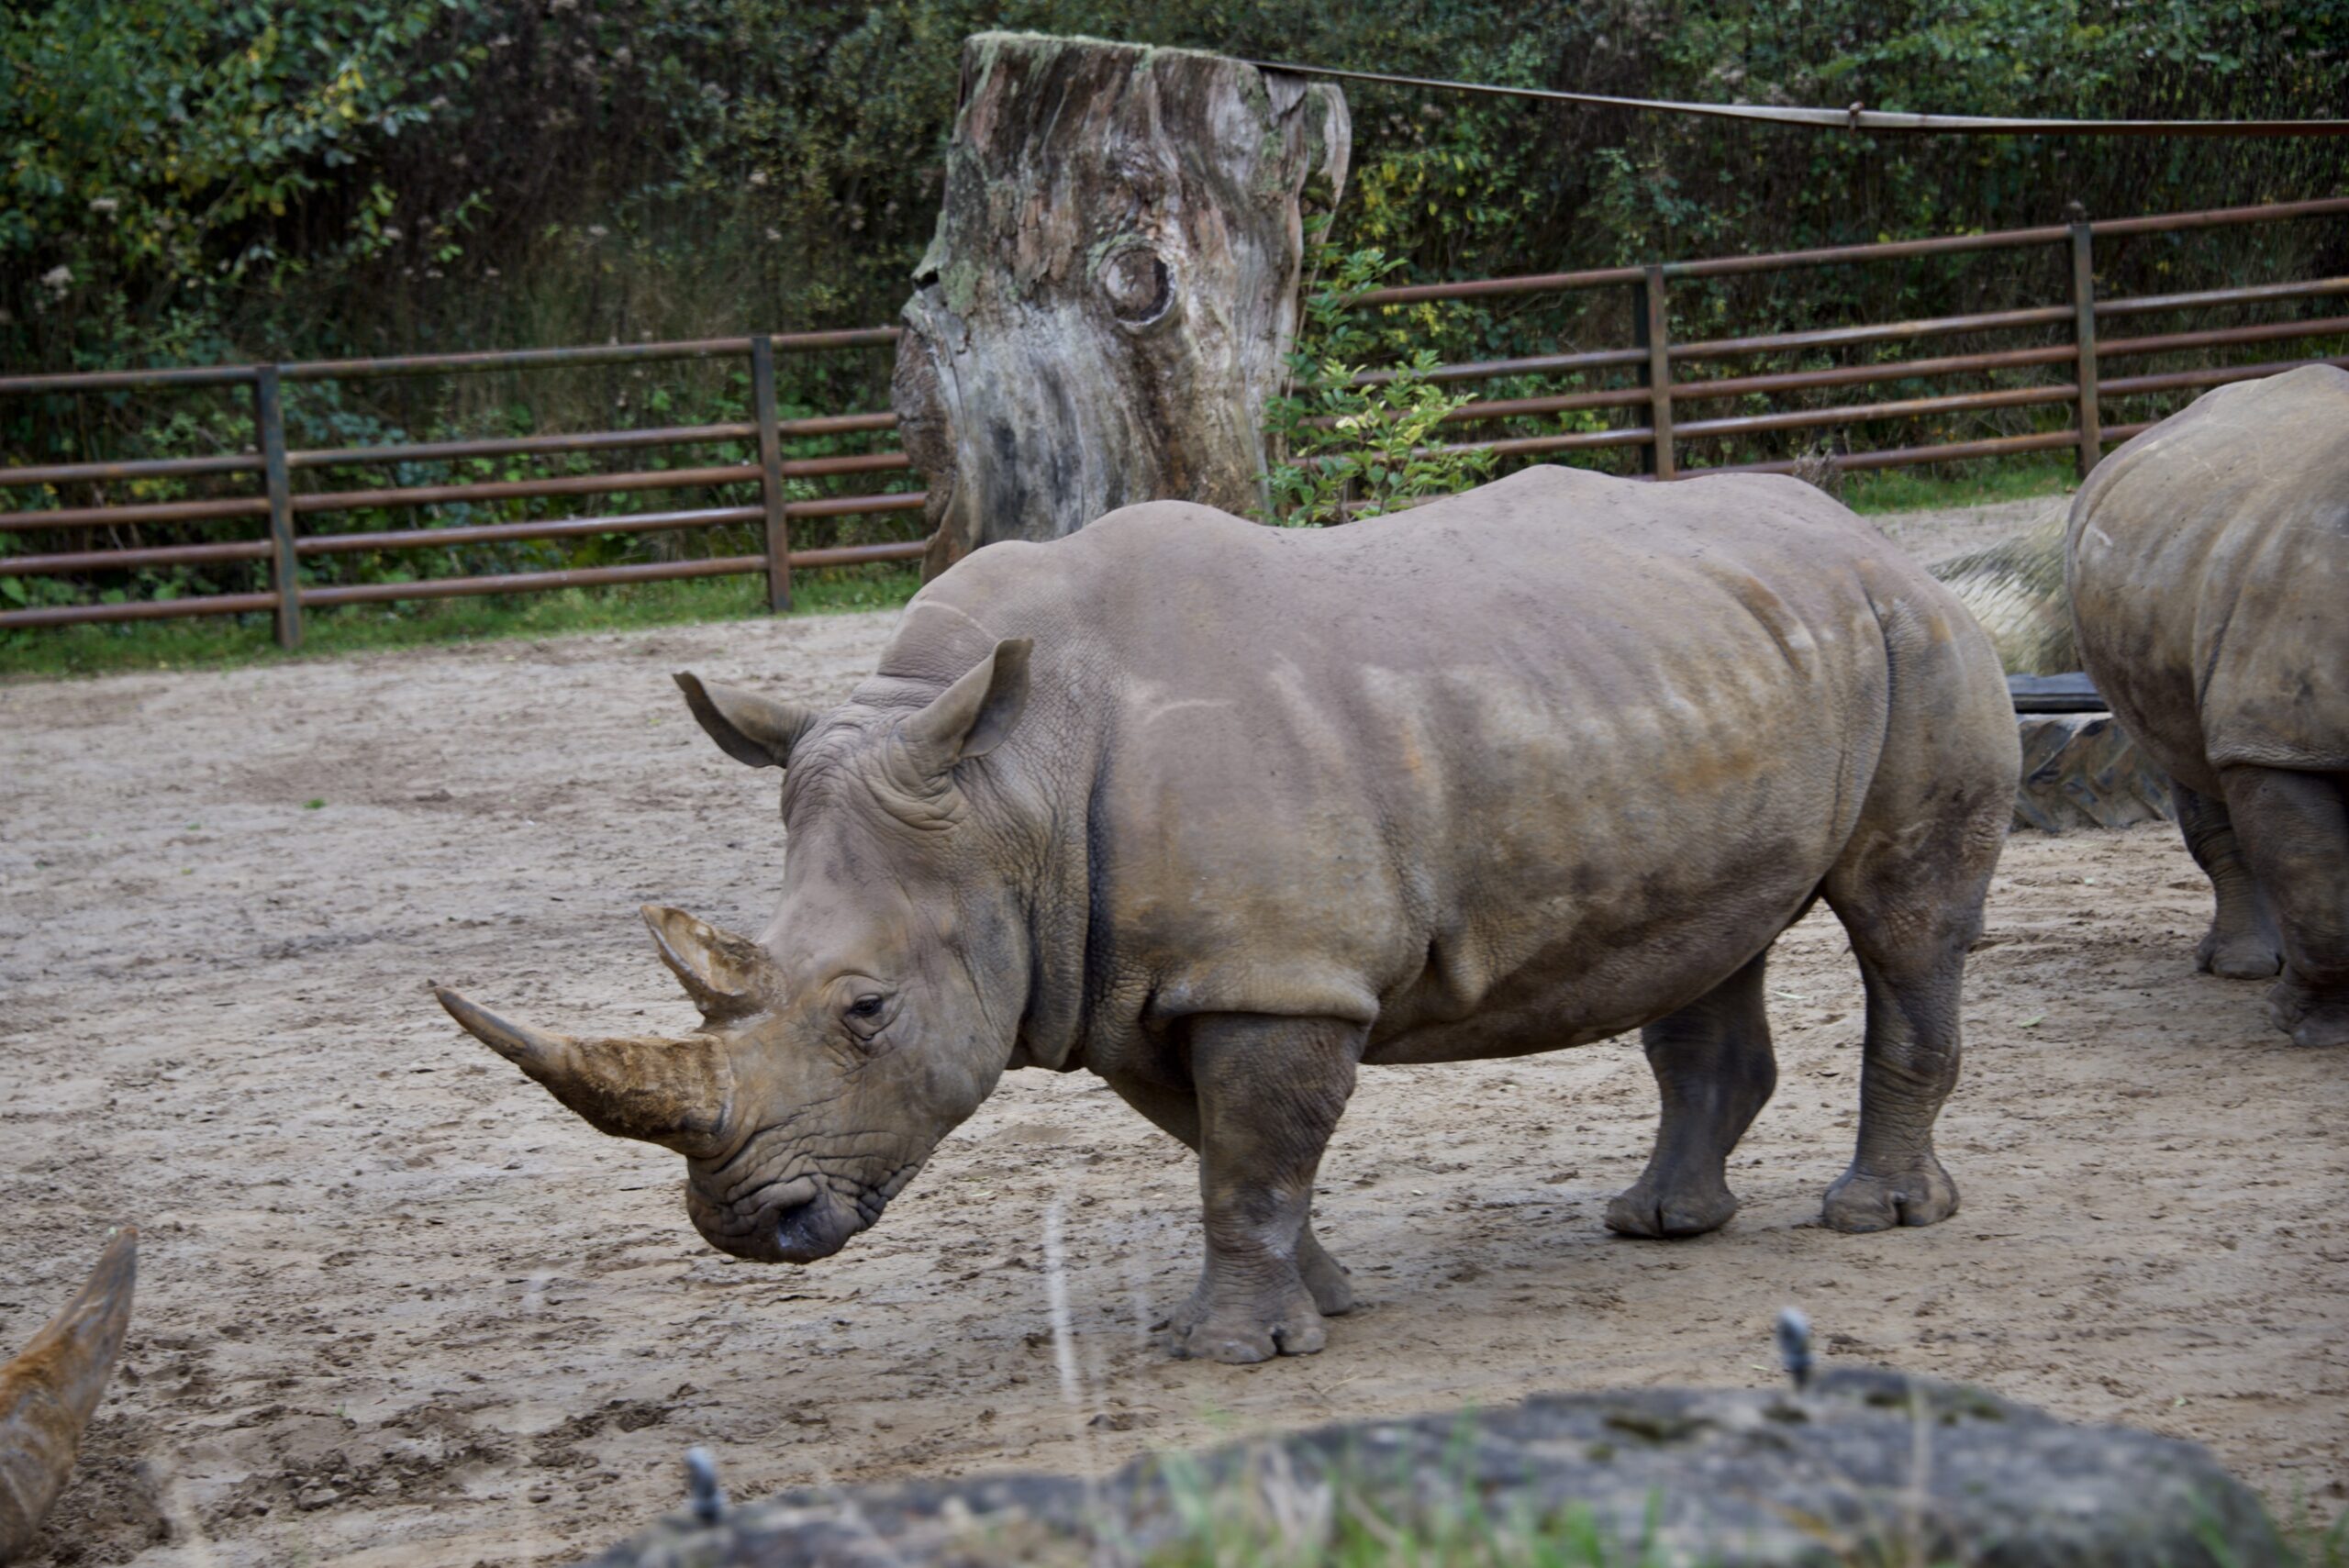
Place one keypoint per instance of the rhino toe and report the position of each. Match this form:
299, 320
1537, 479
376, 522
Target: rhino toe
2240, 956
1644, 1210
2313, 1020
1862, 1201
1240, 1332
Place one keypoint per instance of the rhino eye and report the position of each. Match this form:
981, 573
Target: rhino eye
1139, 286
867, 1006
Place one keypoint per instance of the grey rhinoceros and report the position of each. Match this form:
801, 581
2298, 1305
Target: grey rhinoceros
2208, 569
1223, 812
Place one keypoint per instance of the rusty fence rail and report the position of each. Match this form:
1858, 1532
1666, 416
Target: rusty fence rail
1660, 391
1657, 398
280, 510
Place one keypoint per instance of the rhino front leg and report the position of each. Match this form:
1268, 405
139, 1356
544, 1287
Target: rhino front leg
1714, 1072
1270, 1092
2242, 943
1176, 1112
2295, 831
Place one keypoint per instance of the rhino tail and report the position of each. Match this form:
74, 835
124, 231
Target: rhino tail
48, 1392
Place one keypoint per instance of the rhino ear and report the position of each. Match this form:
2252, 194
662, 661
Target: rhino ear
718, 970
747, 727
974, 714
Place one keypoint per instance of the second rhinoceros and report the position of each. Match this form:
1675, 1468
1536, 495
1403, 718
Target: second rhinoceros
2209, 564
1222, 812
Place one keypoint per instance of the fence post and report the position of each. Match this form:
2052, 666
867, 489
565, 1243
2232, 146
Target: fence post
1652, 330
2084, 337
285, 579
770, 474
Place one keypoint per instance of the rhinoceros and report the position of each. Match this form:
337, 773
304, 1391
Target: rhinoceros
1222, 812
49, 1389
2208, 569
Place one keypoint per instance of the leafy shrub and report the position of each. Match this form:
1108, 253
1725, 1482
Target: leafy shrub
1343, 450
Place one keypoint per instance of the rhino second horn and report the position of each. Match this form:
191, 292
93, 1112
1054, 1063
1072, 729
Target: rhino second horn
670, 1092
47, 1393
720, 971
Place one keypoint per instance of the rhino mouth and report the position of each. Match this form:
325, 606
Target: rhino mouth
804, 1221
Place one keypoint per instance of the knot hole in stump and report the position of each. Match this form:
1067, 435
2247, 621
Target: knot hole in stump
1136, 281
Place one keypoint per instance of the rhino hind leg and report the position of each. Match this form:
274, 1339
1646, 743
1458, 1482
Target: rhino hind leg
2242, 943
1714, 1072
1270, 1091
2294, 827
1909, 888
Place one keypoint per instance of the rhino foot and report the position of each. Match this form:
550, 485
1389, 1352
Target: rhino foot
1867, 1200
1646, 1209
2238, 955
1239, 1329
2310, 1019
1325, 1278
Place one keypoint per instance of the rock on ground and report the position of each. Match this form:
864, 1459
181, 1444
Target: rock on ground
1869, 1466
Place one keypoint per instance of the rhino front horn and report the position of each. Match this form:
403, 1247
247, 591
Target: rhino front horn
47, 1393
670, 1092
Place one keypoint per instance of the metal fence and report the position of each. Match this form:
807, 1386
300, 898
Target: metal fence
285, 545
1658, 392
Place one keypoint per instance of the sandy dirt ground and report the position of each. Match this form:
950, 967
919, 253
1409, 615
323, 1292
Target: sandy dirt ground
398, 1306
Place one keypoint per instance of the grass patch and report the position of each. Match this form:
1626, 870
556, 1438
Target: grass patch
1947, 484
222, 641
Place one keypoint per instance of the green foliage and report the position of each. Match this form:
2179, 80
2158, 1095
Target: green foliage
1356, 452
153, 145
1342, 448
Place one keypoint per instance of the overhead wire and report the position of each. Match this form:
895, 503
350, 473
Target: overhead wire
1854, 118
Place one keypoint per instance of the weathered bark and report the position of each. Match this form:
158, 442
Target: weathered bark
1113, 286
2081, 770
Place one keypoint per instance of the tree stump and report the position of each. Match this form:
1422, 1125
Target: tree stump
2081, 770
1112, 291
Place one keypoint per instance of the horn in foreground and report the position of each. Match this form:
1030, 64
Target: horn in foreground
47, 1393
670, 1092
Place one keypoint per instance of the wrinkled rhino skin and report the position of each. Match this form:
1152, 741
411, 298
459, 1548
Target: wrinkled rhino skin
2208, 569
50, 1388
1221, 812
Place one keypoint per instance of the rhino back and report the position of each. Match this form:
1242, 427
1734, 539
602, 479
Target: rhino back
1563, 734
2208, 566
